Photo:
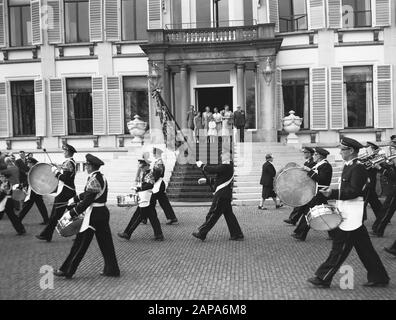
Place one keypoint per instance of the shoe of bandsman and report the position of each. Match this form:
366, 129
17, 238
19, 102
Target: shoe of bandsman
159, 238
390, 250
279, 206
115, 275
199, 236
238, 237
262, 208
373, 284
60, 273
123, 235
173, 221
40, 237
317, 282
288, 221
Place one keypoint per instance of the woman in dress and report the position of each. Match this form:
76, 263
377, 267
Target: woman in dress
227, 117
197, 125
218, 119
212, 132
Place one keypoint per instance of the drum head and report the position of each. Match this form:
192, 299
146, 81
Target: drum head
41, 179
294, 187
325, 222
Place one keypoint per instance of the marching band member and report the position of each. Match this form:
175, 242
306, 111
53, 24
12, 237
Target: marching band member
92, 202
66, 190
351, 232
159, 188
391, 249
389, 206
34, 198
7, 204
297, 212
145, 207
322, 173
372, 196
221, 203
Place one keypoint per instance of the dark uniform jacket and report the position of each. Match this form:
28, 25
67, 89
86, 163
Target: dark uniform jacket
94, 186
353, 181
224, 172
389, 177
267, 174
69, 173
322, 177
23, 170
158, 169
310, 163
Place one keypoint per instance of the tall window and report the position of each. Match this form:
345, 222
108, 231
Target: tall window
220, 13
292, 15
20, 23
77, 21
356, 13
248, 12
176, 14
79, 106
358, 96
23, 113
134, 19
250, 82
295, 86
135, 99
203, 12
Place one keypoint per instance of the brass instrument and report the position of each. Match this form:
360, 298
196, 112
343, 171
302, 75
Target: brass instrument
379, 159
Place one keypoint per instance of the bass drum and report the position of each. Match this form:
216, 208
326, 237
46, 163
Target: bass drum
294, 187
41, 179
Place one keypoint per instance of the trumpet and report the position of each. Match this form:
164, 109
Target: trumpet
379, 159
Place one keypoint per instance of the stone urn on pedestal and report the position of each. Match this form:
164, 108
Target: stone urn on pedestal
137, 129
292, 124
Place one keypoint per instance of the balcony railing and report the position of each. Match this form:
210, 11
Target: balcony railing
212, 35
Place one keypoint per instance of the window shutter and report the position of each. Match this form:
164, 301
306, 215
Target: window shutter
54, 21
35, 13
154, 14
40, 107
279, 98
58, 124
318, 98
334, 13
98, 106
316, 14
383, 99
95, 20
273, 13
382, 15
2, 24
336, 102
112, 20
114, 110
4, 119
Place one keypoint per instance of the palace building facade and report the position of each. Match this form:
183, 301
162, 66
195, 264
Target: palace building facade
77, 71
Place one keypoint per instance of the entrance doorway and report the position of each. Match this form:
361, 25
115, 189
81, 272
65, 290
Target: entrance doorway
213, 97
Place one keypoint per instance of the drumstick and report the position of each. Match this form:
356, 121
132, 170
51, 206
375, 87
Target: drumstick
45, 151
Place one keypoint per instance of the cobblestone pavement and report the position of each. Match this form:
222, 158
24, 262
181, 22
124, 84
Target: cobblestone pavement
269, 264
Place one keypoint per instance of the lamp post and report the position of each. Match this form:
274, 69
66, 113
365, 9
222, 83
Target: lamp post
268, 71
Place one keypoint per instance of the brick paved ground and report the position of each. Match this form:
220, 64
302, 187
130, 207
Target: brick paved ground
269, 264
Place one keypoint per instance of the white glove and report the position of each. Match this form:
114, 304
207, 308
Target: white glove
70, 202
66, 215
54, 170
199, 164
202, 181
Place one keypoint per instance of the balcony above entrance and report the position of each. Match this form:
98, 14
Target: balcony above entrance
215, 35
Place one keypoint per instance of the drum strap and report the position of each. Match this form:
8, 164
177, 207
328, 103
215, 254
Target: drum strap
225, 184
3, 203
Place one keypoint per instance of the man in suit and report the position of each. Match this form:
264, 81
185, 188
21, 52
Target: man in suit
190, 118
267, 181
145, 209
221, 203
92, 202
66, 190
321, 173
351, 232
297, 212
240, 122
34, 198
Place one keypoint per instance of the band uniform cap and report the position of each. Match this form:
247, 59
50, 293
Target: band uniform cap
322, 152
94, 160
69, 147
145, 158
308, 149
372, 145
351, 143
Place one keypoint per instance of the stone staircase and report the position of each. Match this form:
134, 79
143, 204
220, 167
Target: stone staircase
249, 158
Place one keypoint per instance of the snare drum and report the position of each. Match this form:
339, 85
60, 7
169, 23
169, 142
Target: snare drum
324, 217
128, 200
68, 228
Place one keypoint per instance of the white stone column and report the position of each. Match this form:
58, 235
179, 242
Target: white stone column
240, 86
185, 90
